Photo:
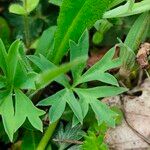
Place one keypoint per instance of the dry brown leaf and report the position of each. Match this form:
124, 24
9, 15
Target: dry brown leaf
142, 55
134, 132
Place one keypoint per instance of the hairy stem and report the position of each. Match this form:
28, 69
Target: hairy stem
48, 134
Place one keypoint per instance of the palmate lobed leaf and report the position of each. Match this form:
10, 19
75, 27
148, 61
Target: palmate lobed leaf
106, 63
74, 18
89, 97
15, 77
78, 50
24, 108
59, 101
98, 71
27, 110
7, 113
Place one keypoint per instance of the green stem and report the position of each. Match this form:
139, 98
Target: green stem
26, 29
26, 25
48, 134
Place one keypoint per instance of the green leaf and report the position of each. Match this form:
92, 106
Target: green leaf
134, 38
99, 76
68, 133
127, 56
23, 79
44, 64
30, 5
48, 76
78, 50
66, 96
17, 9
27, 7
116, 2
45, 46
3, 57
101, 91
2, 82
119, 118
106, 63
73, 22
31, 140
13, 60
93, 142
52, 99
7, 113
127, 10
75, 106
103, 113
97, 71
90, 97
75, 147
56, 2
138, 31
27, 110
57, 110
5, 30
84, 106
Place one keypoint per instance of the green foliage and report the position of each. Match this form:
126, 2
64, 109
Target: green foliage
83, 15
56, 2
45, 46
88, 96
25, 9
102, 26
16, 77
67, 133
71, 92
77, 50
43, 64
138, 32
4, 30
95, 138
31, 140
47, 76
130, 8
135, 36
11, 65
93, 142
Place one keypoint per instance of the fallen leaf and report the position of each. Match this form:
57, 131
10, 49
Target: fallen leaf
134, 132
142, 55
